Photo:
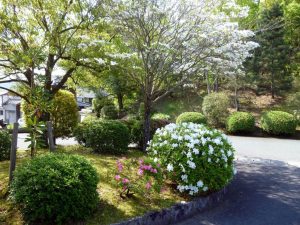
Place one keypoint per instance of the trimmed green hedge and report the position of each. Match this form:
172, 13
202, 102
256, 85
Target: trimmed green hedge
55, 188
240, 122
192, 117
103, 136
5, 144
278, 122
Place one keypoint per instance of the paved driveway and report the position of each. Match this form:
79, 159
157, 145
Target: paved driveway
267, 148
264, 193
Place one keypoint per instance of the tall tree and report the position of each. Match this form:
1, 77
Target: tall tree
42, 43
174, 40
273, 56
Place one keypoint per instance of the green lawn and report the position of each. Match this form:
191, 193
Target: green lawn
112, 208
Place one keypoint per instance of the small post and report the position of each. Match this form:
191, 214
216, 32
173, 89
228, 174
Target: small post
50, 136
13, 152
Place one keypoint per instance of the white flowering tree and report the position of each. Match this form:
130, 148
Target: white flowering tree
175, 40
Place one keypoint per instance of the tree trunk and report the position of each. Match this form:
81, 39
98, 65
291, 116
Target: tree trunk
236, 97
272, 85
216, 85
120, 102
207, 82
147, 116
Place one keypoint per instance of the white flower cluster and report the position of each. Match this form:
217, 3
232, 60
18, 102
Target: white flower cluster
185, 149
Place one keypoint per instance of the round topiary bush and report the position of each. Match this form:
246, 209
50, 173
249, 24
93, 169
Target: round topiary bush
198, 159
193, 117
64, 114
103, 136
109, 112
215, 108
55, 188
278, 122
240, 122
5, 145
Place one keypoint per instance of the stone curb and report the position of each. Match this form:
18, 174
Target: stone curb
179, 211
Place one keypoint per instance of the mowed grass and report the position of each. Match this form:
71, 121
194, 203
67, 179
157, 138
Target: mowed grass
112, 208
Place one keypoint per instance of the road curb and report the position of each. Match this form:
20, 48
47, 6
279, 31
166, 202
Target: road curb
179, 211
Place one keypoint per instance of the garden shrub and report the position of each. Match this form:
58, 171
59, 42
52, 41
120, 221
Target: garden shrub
103, 136
99, 102
278, 122
160, 116
5, 145
215, 108
63, 113
55, 188
136, 128
198, 159
240, 122
193, 117
109, 112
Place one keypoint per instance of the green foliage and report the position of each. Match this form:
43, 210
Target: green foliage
99, 103
55, 188
293, 105
64, 114
271, 59
240, 122
5, 145
109, 112
160, 116
136, 128
278, 122
103, 136
197, 159
215, 108
193, 117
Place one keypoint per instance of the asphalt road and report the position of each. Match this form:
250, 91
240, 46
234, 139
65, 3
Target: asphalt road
262, 193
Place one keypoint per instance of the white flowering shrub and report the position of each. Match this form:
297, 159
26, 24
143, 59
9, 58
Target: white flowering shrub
196, 158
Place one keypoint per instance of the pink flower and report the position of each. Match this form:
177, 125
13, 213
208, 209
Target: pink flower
141, 161
117, 177
125, 181
120, 166
148, 185
158, 165
140, 172
154, 170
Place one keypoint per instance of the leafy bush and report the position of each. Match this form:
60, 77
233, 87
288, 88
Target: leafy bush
103, 136
136, 128
278, 122
55, 187
5, 144
197, 159
240, 122
193, 117
99, 102
215, 108
109, 112
160, 116
292, 105
63, 112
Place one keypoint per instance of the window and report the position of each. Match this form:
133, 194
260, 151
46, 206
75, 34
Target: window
1, 112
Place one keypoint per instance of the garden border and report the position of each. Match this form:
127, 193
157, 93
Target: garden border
179, 211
